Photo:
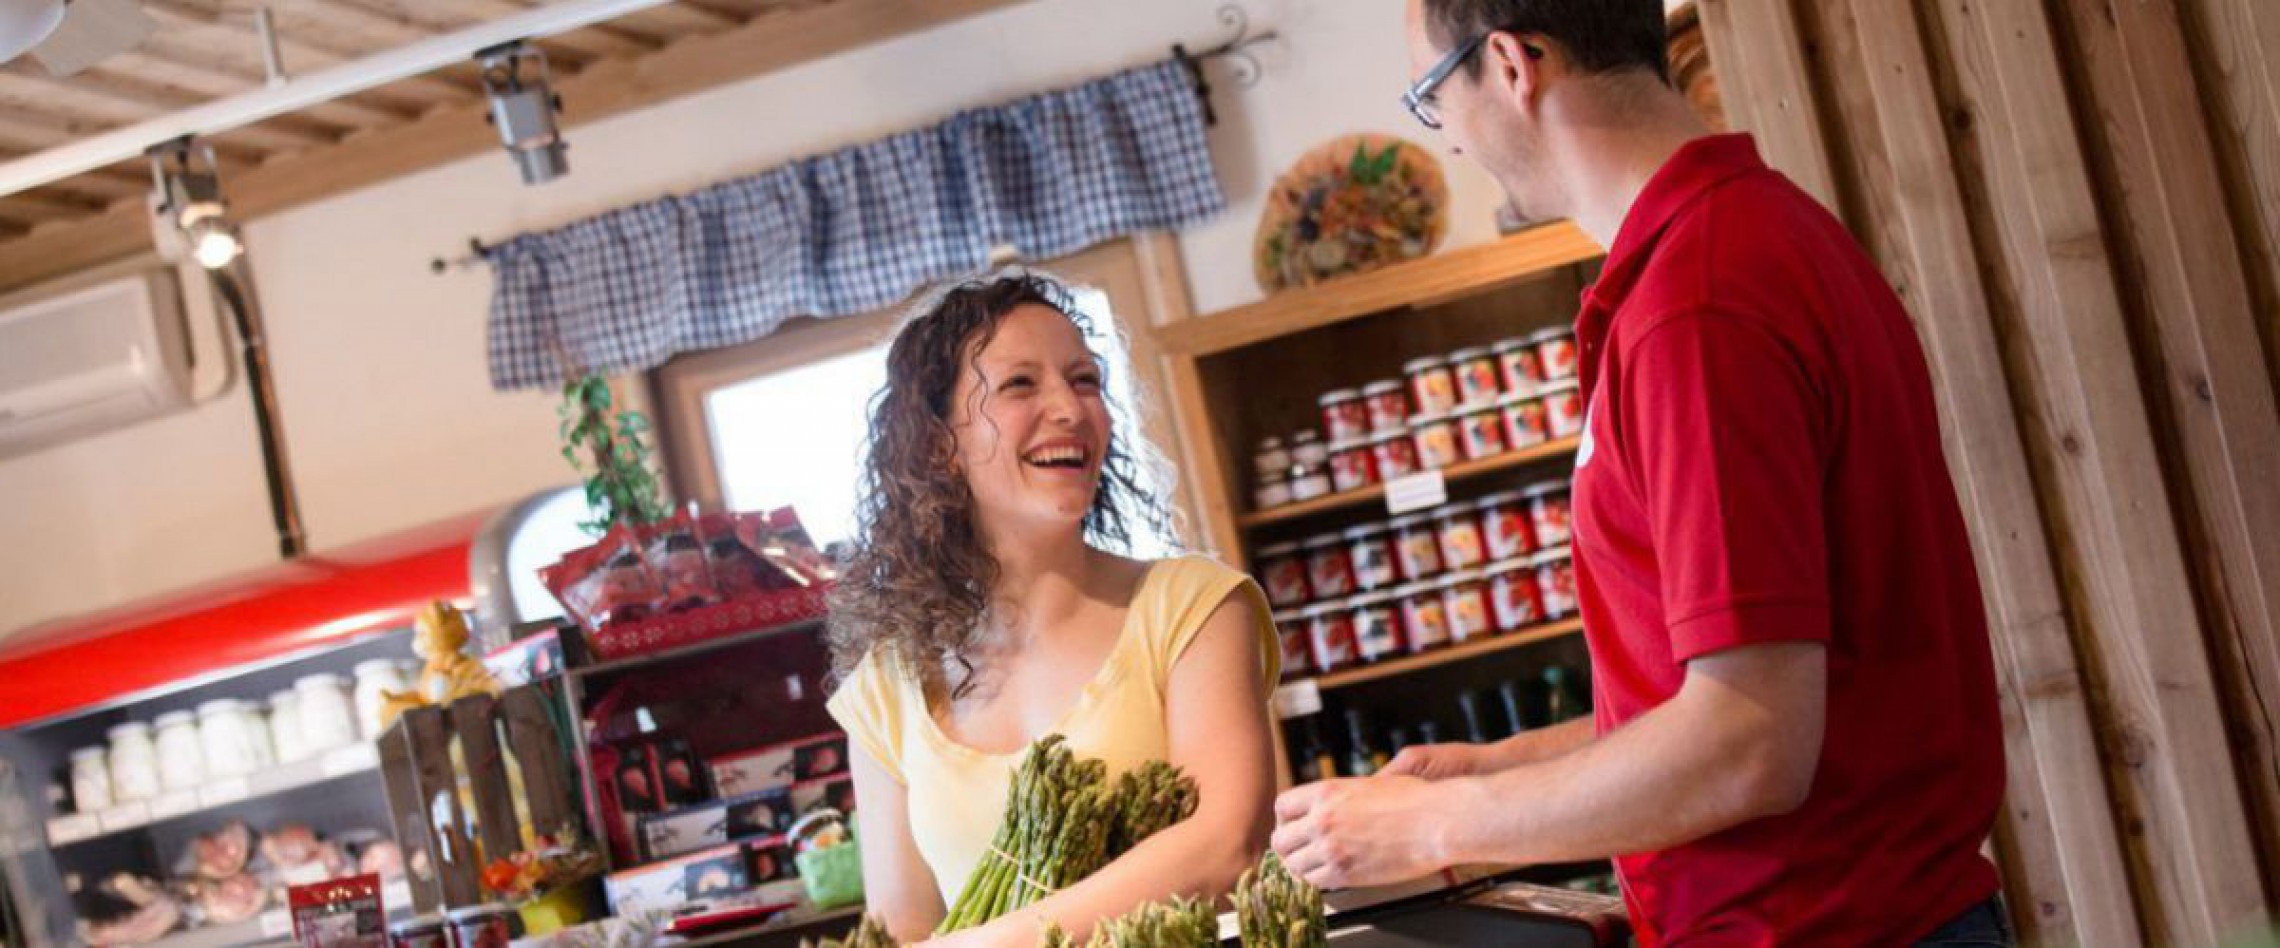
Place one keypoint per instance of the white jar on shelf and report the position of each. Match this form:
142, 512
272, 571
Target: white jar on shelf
257, 734
90, 779
181, 759
328, 717
373, 679
223, 732
285, 726
134, 762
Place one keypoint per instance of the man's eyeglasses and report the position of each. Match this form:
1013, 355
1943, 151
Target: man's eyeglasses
1419, 99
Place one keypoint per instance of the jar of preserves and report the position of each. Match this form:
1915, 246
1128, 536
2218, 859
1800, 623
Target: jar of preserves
1457, 527
1271, 460
1424, 618
1344, 416
1329, 570
1283, 571
1563, 408
1353, 465
1436, 439
1432, 388
328, 712
1556, 347
1476, 376
1550, 513
1555, 579
1297, 651
90, 779
1387, 403
1504, 527
285, 726
1416, 545
181, 759
1377, 626
375, 679
1307, 450
1310, 481
134, 762
1272, 493
1395, 453
1480, 431
1525, 423
1376, 564
1513, 596
1330, 636
222, 733
1464, 597
1519, 364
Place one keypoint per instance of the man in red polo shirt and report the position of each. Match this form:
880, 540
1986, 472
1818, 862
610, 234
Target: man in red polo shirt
1795, 737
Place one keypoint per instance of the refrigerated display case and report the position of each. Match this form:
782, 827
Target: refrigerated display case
65, 685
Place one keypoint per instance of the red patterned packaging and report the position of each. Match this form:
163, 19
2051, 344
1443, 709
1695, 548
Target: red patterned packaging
677, 559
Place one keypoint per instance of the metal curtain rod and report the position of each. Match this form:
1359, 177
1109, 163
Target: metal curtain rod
1236, 49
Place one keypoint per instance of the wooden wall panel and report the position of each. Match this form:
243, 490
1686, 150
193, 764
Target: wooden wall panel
2208, 375
2234, 42
2164, 723
2063, 866
1760, 62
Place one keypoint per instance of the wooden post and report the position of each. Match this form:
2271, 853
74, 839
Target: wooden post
2064, 867
2163, 179
400, 775
452, 847
1759, 58
546, 771
2234, 42
2165, 731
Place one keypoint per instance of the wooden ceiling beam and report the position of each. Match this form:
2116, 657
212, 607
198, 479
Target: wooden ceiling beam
38, 207
216, 78
611, 87
678, 19
583, 44
425, 21
187, 22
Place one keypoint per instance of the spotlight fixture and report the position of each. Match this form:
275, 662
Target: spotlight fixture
523, 106
186, 203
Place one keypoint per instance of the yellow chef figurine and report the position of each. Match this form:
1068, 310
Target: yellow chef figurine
450, 673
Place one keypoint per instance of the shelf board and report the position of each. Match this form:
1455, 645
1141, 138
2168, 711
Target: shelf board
1454, 653
650, 659
353, 760
1375, 493
1422, 282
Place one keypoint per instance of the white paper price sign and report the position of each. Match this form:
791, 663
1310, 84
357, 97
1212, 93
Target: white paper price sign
1297, 700
1416, 492
276, 923
228, 790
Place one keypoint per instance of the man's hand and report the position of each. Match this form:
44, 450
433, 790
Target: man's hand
1340, 834
1443, 761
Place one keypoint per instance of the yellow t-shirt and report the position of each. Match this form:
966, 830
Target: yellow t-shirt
957, 794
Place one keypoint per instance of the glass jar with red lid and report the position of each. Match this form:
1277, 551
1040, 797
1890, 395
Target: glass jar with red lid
1329, 571
1505, 529
1293, 635
1520, 365
1555, 578
1457, 527
1476, 376
1330, 636
1424, 618
1436, 439
1526, 424
1480, 431
1513, 596
1395, 453
1377, 626
1432, 387
1464, 598
1550, 513
1377, 565
1416, 545
1555, 345
1563, 408
1387, 403
1344, 417
1353, 465
1282, 570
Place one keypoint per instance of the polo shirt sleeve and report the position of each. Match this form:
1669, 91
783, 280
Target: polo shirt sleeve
1726, 428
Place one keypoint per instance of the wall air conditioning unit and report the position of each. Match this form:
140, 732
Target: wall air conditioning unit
92, 359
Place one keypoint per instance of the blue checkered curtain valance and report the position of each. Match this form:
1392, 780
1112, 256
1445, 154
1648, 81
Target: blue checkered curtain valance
851, 231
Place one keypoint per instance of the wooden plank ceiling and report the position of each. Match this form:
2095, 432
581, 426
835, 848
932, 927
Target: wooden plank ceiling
206, 50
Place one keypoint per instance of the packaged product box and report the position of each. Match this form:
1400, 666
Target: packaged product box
715, 823
779, 767
720, 872
838, 793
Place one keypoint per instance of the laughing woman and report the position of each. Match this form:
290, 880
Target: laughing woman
984, 607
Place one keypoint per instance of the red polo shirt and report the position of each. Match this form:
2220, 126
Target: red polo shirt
1763, 464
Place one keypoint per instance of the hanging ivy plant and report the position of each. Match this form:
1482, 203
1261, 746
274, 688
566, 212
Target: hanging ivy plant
609, 447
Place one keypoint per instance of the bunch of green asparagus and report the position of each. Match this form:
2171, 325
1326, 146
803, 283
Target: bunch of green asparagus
1275, 909
1182, 924
1063, 821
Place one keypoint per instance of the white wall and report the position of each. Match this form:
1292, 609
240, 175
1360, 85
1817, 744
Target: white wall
380, 366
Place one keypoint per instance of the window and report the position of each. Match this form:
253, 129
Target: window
782, 421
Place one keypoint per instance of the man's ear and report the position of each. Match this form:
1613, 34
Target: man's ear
1513, 65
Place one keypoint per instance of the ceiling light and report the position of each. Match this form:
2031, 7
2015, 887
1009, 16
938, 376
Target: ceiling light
24, 23
523, 106
186, 201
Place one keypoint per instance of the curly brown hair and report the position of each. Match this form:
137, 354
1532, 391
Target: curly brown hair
919, 579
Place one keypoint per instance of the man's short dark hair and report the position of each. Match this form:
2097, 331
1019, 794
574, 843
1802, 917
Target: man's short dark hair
1602, 36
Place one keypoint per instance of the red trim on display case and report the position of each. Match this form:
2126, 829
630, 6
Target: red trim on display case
292, 607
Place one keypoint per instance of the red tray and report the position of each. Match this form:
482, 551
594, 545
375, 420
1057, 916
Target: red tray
737, 616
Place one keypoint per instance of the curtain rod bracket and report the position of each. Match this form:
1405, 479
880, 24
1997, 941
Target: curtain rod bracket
1243, 63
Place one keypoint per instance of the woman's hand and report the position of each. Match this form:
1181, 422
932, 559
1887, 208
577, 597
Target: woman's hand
1014, 931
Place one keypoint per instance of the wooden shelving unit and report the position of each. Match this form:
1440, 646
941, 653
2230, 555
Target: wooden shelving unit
1245, 373
1375, 493
1455, 653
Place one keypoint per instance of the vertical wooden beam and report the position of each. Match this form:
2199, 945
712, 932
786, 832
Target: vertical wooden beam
2165, 729
1759, 57
2163, 183
2064, 870
2240, 74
